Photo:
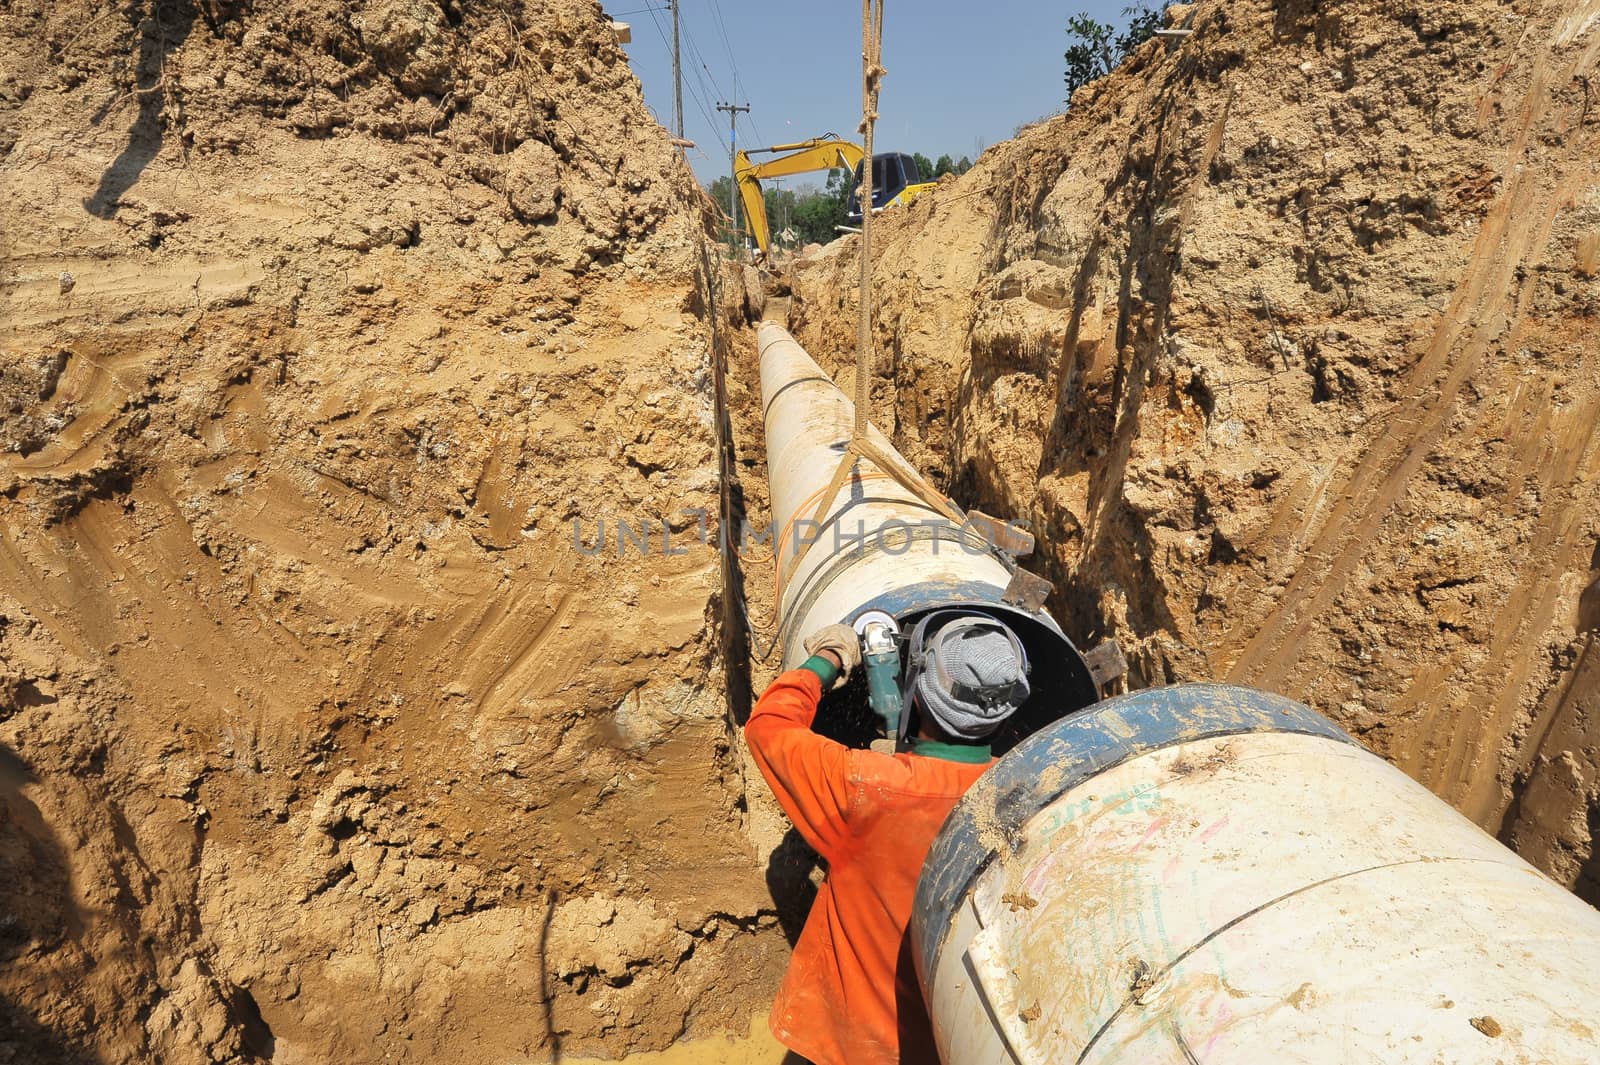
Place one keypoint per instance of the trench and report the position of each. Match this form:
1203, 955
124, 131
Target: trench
298, 750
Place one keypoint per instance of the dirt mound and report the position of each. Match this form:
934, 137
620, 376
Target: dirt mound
1284, 338
320, 739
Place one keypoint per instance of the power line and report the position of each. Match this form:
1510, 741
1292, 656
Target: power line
733, 63
755, 127
705, 112
700, 102
700, 58
703, 96
707, 89
722, 28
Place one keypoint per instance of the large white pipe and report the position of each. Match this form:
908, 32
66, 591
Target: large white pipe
875, 539
1213, 874
877, 545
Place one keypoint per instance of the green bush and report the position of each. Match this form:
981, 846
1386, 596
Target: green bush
1095, 49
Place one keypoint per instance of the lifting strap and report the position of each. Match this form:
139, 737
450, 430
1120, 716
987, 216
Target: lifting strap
861, 445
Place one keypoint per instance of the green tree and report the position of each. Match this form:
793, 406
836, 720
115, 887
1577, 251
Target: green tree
810, 211
943, 166
814, 220
719, 190
817, 213
1143, 21
1089, 53
1095, 49
963, 165
924, 166
781, 204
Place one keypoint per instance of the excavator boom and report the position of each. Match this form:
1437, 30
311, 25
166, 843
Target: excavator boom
819, 153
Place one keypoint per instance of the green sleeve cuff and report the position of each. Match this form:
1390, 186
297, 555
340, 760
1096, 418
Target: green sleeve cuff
825, 670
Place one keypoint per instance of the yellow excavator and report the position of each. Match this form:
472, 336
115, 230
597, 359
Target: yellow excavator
895, 179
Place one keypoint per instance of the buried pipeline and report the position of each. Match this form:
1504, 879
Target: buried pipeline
1198, 873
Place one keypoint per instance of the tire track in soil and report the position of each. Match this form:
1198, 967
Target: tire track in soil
1512, 236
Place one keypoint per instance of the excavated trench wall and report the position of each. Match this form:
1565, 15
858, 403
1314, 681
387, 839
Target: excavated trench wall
1284, 339
320, 739
323, 323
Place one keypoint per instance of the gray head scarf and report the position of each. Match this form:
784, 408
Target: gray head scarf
973, 679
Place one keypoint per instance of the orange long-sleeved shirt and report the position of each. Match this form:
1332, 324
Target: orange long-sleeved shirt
850, 996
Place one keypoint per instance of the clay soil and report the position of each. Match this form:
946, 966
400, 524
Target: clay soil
319, 738
325, 326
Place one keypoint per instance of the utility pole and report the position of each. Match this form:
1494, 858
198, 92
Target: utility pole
733, 157
677, 76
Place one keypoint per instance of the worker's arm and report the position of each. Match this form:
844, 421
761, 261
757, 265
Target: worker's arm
809, 774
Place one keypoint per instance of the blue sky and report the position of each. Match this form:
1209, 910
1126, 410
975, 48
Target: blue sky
962, 75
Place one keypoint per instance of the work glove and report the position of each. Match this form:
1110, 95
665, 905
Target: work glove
842, 641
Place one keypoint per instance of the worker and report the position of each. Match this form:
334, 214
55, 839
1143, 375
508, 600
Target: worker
850, 996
